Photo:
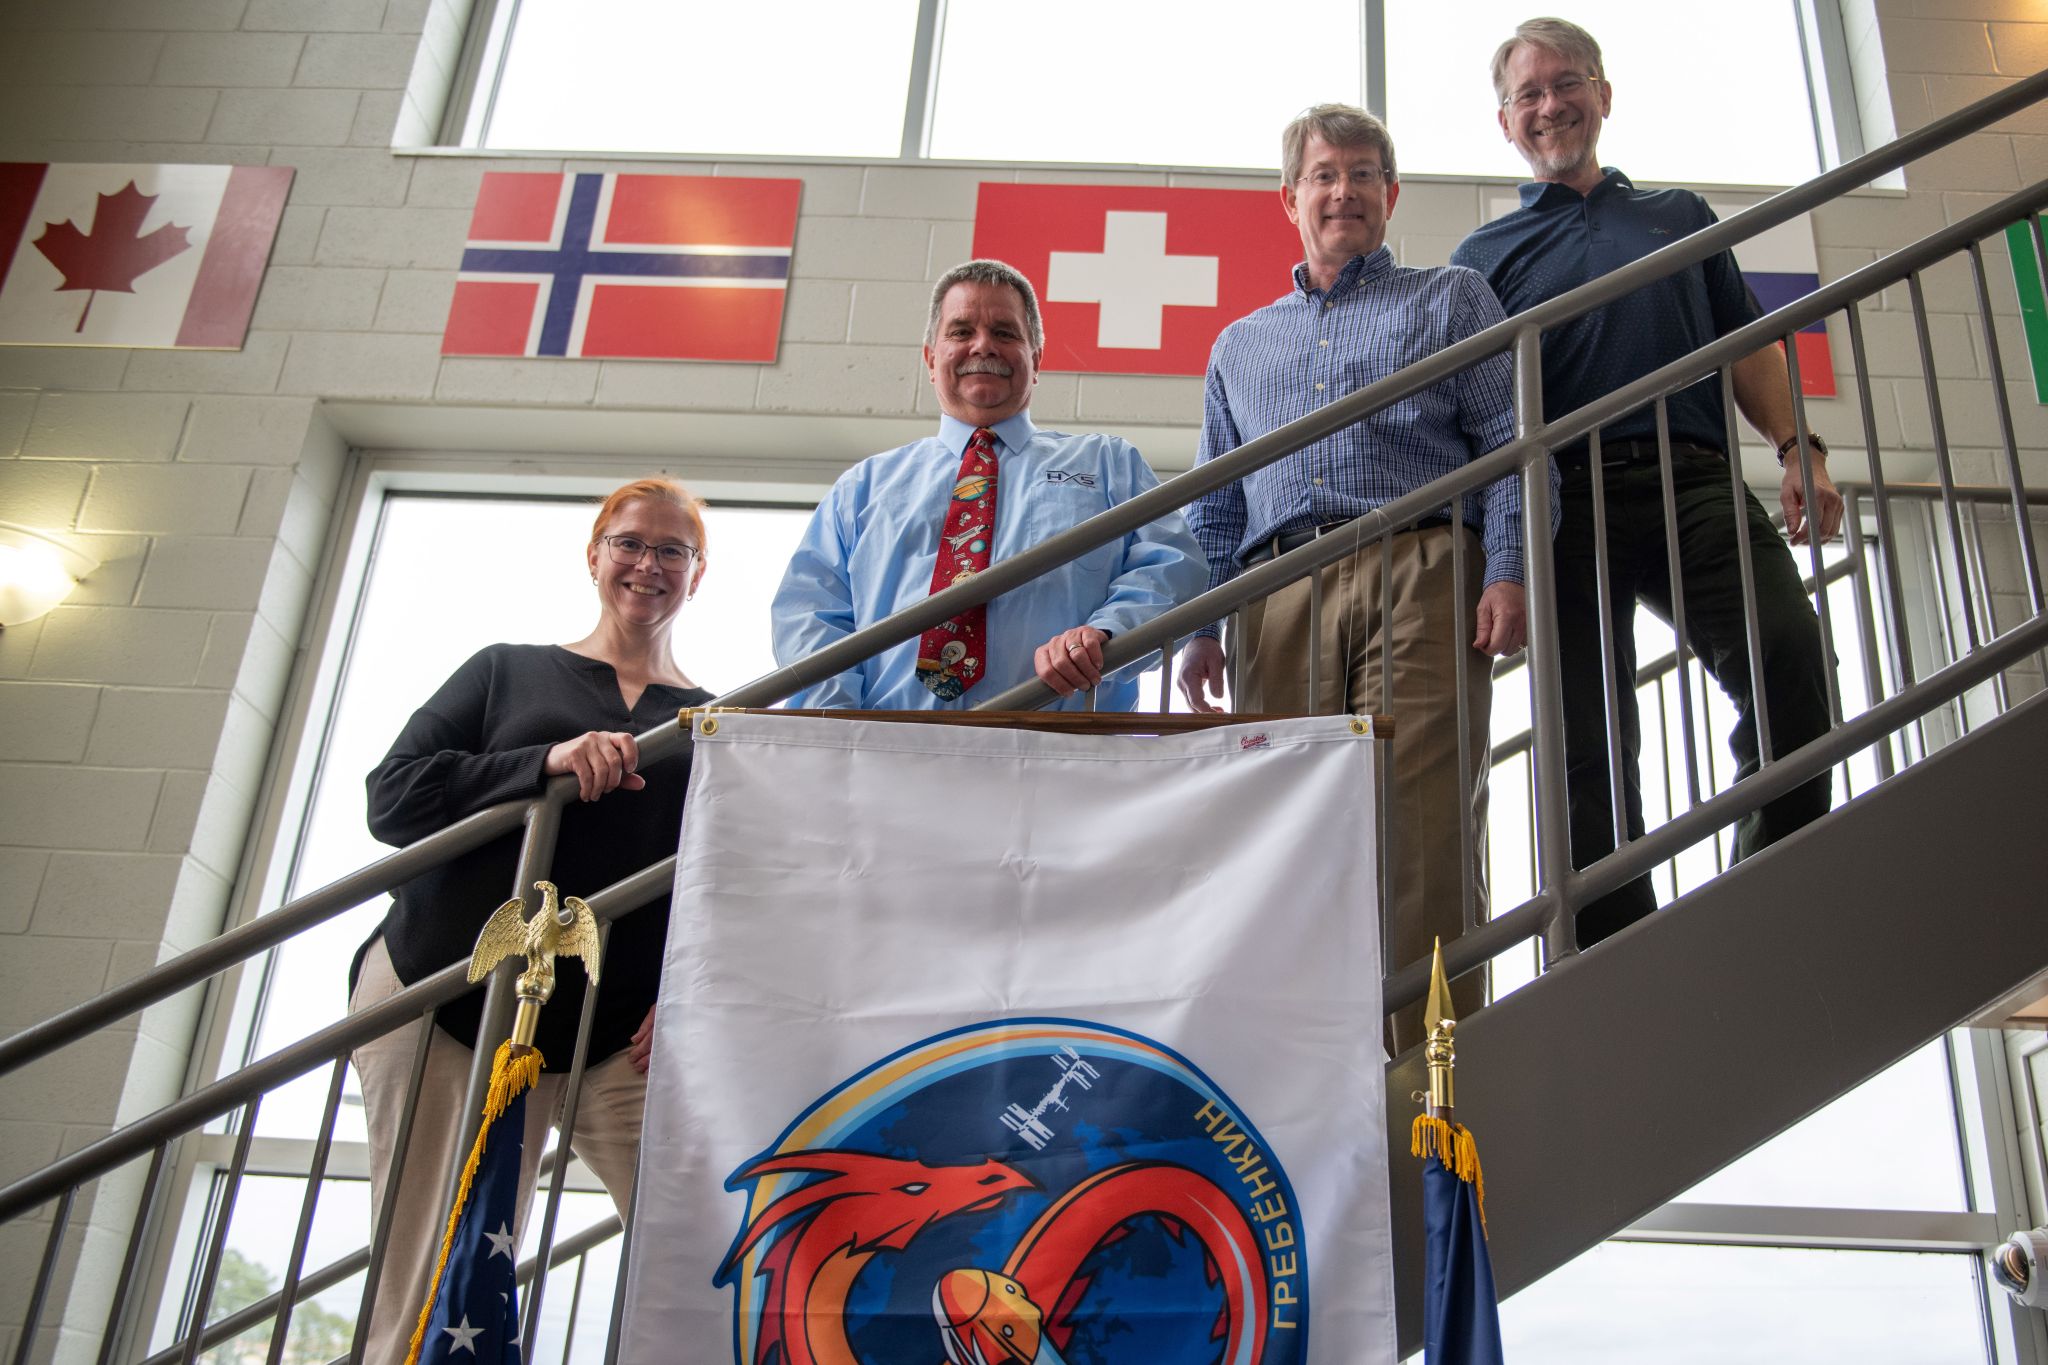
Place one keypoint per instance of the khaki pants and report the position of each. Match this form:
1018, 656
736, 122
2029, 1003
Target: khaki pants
1424, 789
607, 1139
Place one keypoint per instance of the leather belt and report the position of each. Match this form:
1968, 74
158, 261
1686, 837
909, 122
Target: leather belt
1294, 540
1614, 454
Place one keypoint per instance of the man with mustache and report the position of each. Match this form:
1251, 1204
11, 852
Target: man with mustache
1578, 221
1352, 317
904, 524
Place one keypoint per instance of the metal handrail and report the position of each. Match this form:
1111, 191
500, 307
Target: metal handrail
266, 931
1283, 569
336, 1272
338, 1039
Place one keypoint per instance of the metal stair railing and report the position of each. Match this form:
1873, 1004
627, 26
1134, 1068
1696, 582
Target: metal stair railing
1561, 888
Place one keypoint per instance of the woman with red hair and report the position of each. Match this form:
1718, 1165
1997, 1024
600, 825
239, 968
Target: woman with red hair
507, 722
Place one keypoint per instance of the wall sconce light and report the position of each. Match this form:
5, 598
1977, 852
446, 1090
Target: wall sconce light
36, 573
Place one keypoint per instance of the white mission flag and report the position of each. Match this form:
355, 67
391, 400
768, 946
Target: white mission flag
993, 1046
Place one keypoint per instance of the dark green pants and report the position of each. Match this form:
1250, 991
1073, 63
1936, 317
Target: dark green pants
1794, 660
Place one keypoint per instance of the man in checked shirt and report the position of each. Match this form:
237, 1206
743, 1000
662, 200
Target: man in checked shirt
1353, 317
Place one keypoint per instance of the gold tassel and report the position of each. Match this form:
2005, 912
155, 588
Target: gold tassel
511, 1077
1452, 1144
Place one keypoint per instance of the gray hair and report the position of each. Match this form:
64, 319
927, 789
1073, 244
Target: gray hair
990, 273
1561, 36
1340, 125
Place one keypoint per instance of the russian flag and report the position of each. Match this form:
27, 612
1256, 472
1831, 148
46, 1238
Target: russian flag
122, 255
1781, 267
650, 267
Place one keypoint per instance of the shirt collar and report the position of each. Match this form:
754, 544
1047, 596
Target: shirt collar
1014, 431
1549, 193
1357, 271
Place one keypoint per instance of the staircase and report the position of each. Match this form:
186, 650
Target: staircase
1623, 1076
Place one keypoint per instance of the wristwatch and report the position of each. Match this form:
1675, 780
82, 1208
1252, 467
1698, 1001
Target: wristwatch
1791, 443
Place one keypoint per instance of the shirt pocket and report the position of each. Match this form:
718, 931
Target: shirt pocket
1048, 508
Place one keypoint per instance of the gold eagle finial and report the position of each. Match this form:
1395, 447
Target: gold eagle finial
555, 929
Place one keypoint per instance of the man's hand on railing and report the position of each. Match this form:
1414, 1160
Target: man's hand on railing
1827, 503
642, 1049
1201, 673
1071, 661
603, 760
1503, 620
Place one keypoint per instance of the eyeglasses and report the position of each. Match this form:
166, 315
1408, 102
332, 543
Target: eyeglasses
1361, 177
630, 549
1564, 87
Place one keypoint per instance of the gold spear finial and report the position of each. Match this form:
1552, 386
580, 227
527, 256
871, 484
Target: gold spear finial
569, 927
1439, 1054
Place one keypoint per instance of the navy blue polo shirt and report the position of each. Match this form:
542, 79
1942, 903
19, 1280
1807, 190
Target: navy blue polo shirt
1560, 239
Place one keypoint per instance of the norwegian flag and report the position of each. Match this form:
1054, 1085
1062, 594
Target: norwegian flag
1137, 280
650, 267
143, 255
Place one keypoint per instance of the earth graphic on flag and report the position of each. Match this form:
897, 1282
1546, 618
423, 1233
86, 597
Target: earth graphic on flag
1028, 1190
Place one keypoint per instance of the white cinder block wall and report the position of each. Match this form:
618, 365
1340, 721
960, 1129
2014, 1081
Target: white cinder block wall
135, 720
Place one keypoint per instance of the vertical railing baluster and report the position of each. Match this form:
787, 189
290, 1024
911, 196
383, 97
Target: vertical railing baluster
1943, 616
131, 1259
1546, 713
401, 1150
53, 1246
1866, 618
565, 1134
1745, 566
1670, 796
1166, 653
1386, 630
1900, 640
2015, 480
575, 1308
1981, 573
1462, 630
1234, 634
536, 854
1813, 543
209, 1275
288, 1292
1943, 467
1611, 681
1315, 647
1681, 646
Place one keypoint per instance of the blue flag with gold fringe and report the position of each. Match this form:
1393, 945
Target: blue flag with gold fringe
472, 1311
1460, 1311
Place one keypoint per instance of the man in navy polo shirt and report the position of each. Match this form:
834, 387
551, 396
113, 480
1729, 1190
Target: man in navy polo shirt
1579, 221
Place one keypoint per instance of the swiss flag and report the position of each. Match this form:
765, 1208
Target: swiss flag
1137, 280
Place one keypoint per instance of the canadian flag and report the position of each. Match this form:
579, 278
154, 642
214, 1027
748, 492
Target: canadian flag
1138, 280
134, 255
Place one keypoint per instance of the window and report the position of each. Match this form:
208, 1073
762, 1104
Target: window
1201, 83
1442, 108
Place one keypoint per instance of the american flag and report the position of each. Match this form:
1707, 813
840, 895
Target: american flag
472, 1313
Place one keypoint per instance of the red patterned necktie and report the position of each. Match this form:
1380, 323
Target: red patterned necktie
952, 656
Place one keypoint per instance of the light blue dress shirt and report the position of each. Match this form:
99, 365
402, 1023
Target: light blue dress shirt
873, 542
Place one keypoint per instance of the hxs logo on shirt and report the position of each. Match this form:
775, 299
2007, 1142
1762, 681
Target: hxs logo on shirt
1067, 476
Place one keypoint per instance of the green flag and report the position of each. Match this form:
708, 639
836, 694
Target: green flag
2026, 279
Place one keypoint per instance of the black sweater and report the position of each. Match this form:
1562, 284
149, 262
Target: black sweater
483, 739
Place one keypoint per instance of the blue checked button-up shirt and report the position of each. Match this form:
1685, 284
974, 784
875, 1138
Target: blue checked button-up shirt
1311, 347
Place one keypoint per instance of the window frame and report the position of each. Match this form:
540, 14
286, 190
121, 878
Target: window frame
464, 125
